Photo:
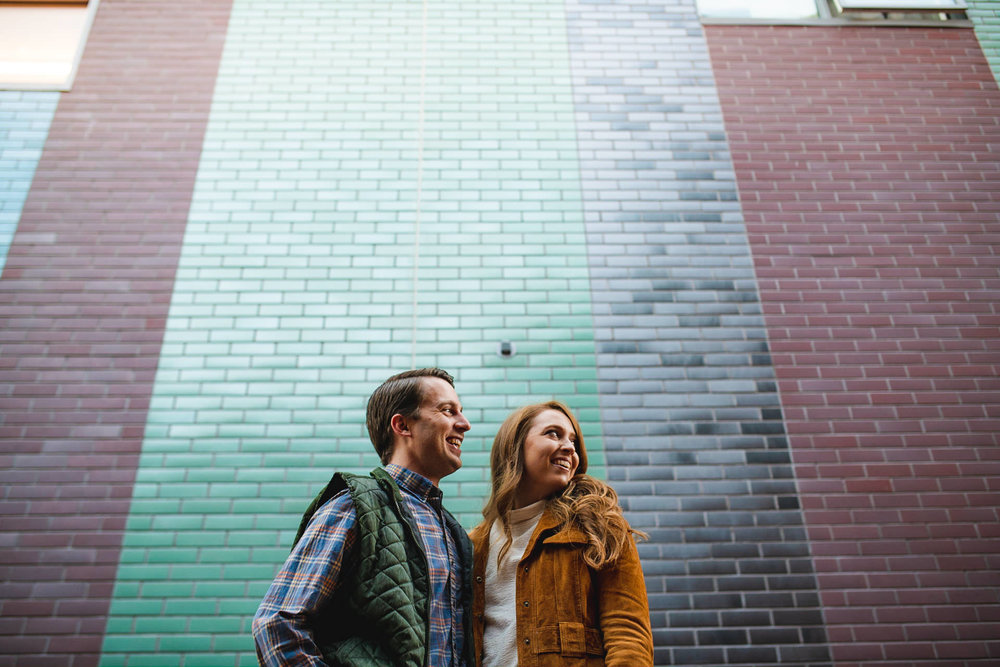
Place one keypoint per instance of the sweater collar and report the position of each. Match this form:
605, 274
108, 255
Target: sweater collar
528, 513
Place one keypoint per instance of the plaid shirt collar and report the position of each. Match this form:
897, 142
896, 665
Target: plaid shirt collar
414, 484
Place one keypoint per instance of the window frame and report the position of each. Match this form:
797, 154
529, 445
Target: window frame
903, 5
829, 12
67, 83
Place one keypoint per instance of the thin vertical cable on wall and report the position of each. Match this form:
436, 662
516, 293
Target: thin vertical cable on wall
420, 183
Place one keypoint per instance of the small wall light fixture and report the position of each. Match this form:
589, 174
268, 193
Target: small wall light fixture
506, 349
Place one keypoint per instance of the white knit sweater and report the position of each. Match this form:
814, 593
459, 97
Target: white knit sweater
500, 631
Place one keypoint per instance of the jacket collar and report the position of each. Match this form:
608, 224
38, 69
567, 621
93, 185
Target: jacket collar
547, 532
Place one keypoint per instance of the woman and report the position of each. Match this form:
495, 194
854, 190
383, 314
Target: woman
556, 573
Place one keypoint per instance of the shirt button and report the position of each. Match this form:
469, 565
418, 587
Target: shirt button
525, 603
527, 641
479, 580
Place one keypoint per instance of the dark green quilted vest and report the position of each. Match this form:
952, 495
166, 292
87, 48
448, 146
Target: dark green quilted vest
379, 617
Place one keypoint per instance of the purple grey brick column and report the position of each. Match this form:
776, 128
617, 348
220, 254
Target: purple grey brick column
694, 434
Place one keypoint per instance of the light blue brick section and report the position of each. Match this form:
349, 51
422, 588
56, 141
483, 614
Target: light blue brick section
985, 16
295, 289
25, 118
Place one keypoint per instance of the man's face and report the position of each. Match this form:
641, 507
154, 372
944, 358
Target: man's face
434, 448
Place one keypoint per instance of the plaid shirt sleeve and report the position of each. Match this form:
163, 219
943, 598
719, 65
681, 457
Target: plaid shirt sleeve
308, 580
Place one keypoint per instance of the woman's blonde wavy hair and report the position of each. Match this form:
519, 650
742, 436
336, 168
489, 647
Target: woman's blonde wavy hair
586, 503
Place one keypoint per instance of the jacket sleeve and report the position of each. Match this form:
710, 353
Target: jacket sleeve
624, 612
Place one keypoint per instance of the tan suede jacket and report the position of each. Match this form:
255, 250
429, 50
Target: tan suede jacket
569, 615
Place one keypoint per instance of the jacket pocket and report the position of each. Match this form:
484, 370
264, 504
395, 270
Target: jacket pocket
572, 640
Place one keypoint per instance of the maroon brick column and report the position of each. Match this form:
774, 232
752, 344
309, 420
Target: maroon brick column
868, 163
83, 302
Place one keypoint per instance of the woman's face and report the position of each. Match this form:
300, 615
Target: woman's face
550, 457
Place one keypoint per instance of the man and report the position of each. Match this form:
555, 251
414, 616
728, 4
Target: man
380, 572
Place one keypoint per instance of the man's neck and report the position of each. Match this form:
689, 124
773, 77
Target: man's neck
412, 480
414, 467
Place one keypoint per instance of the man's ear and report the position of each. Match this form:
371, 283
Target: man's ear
399, 425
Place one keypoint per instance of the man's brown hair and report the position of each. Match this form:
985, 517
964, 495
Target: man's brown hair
400, 394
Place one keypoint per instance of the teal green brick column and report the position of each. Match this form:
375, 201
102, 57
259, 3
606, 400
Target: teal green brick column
25, 118
379, 188
985, 15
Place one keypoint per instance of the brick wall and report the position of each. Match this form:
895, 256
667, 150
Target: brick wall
985, 16
24, 125
695, 439
211, 274
83, 298
867, 162
322, 181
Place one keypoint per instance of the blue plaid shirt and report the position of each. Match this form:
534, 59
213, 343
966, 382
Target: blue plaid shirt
310, 578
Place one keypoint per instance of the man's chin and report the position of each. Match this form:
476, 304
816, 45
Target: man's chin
456, 463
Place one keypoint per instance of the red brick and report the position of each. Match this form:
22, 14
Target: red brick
988, 631
911, 650
973, 650
885, 142
88, 310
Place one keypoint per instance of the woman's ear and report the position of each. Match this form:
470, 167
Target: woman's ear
399, 425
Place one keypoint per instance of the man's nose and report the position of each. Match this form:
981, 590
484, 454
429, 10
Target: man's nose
463, 423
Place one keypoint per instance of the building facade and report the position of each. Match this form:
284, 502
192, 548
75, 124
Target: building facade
759, 256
